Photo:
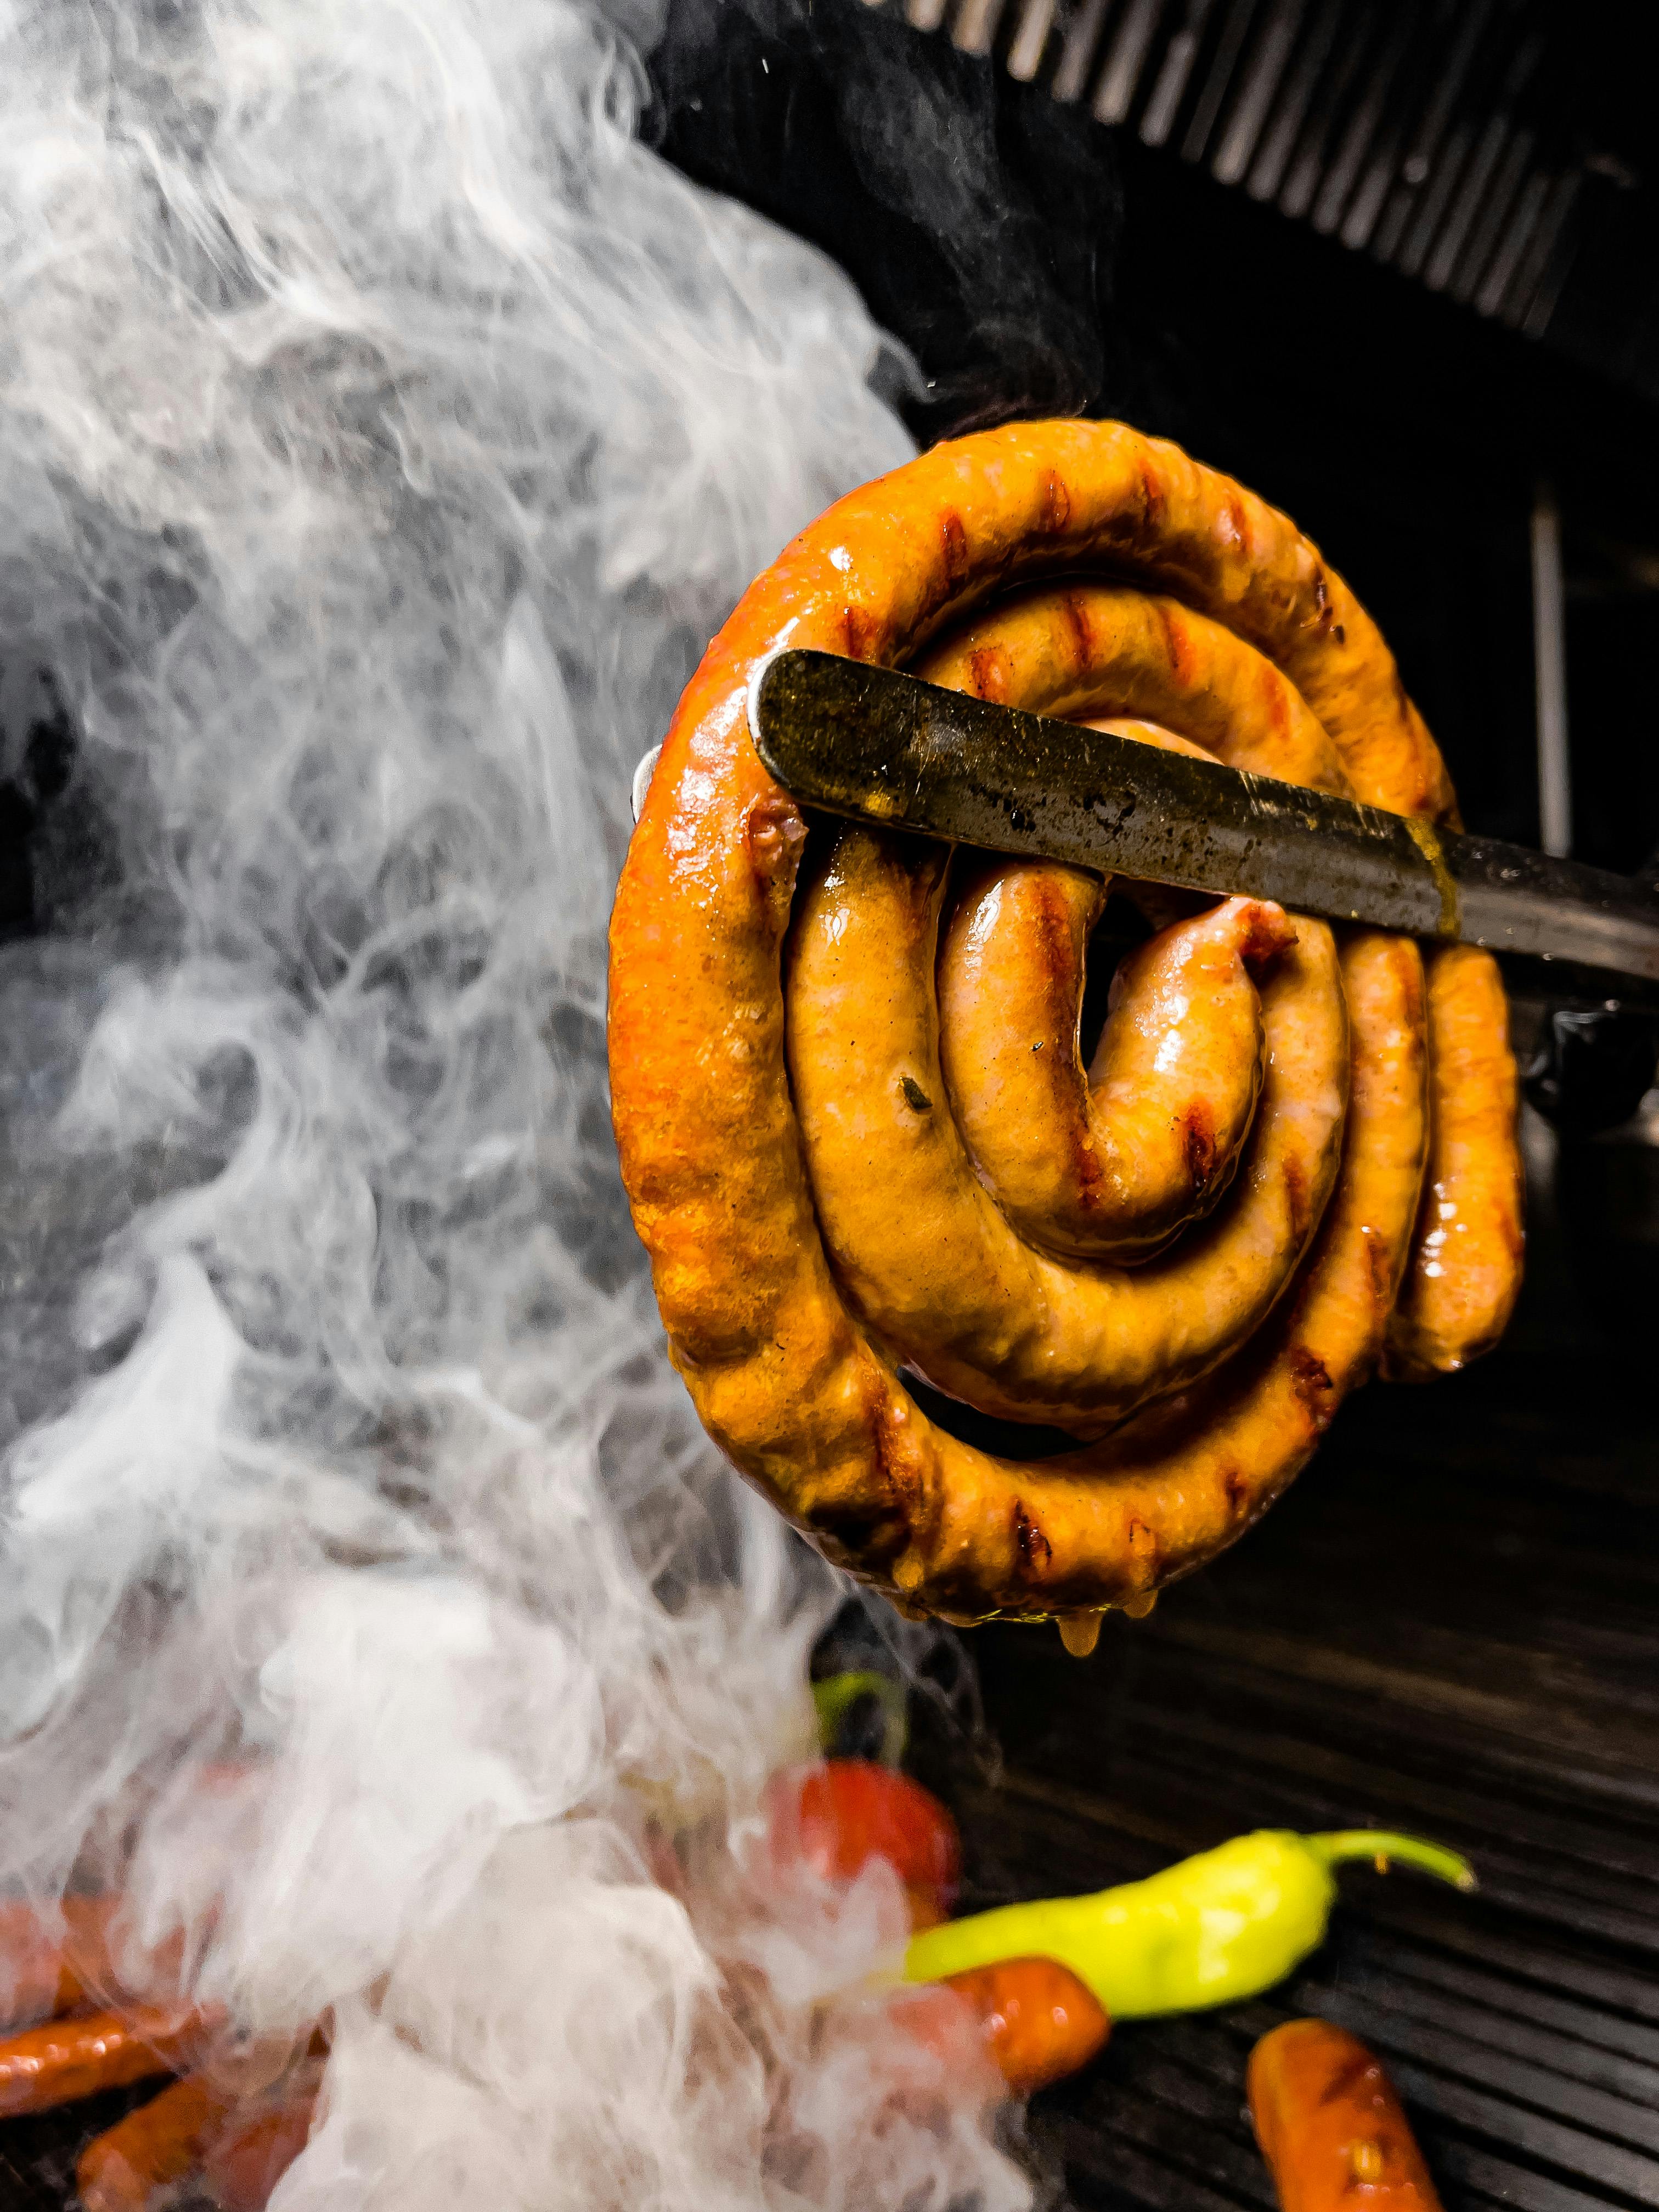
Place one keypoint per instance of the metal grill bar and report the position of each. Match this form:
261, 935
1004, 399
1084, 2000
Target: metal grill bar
1358, 1660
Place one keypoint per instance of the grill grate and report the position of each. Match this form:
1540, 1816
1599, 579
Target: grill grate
1451, 1623
1423, 132
1449, 1626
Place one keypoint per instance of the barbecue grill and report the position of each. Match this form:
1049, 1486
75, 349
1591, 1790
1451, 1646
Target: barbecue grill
1391, 266
1452, 1623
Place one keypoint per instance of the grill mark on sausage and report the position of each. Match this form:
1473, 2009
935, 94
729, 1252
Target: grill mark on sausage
1275, 706
1380, 1263
1198, 1144
1177, 641
1146, 1552
1296, 1198
1032, 1549
1311, 1379
1236, 1491
953, 539
892, 1521
860, 629
1152, 494
1056, 505
987, 674
1077, 621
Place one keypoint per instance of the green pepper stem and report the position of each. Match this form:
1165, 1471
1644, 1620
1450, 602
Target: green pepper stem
835, 1696
1381, 1844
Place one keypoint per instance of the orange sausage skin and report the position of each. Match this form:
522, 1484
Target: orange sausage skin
1330, 2126
1038, 2021
56, 2064
44, 1971
122, 2169
246, 2163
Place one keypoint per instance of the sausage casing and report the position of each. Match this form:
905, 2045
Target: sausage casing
1330, 2125
814, 1226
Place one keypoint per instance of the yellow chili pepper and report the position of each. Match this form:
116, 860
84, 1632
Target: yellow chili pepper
1226, 1924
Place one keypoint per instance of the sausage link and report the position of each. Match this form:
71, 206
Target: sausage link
1330, 2126
47, 1969
1039, 2022
244, 2164
923, 1250
122, 2169
1115, 1161
1466, 1262
69, 2058
815, 1217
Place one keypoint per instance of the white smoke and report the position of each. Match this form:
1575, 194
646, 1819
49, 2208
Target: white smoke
383, 432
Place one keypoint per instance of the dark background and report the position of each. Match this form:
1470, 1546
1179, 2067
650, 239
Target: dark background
1035, 262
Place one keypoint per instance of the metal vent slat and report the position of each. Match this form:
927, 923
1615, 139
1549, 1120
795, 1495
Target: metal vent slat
1418, 133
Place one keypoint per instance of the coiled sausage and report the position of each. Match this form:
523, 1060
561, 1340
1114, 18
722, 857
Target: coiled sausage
1186, 1253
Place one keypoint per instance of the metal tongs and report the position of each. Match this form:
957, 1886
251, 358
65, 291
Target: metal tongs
886, 747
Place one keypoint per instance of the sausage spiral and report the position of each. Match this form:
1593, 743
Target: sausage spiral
854, 1125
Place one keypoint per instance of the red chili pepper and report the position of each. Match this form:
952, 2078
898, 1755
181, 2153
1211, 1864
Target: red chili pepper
838, 1816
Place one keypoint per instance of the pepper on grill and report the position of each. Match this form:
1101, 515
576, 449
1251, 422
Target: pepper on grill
1226, 1924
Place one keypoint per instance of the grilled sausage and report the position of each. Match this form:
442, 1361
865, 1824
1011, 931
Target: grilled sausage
44, 1970
1465, 1260
818, 1215
244, 2164
1113, 1161
122, 2169
1330, 2126
1039, 2022
69, 2058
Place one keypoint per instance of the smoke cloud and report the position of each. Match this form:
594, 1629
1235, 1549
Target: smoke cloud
383, 432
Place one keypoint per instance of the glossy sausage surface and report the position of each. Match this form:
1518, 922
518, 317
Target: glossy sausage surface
831, 1189
1330, 2125
122, 2169
1038, 2021
65, 2060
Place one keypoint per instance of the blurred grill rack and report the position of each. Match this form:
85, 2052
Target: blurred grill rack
1449, 1626
1463, 142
